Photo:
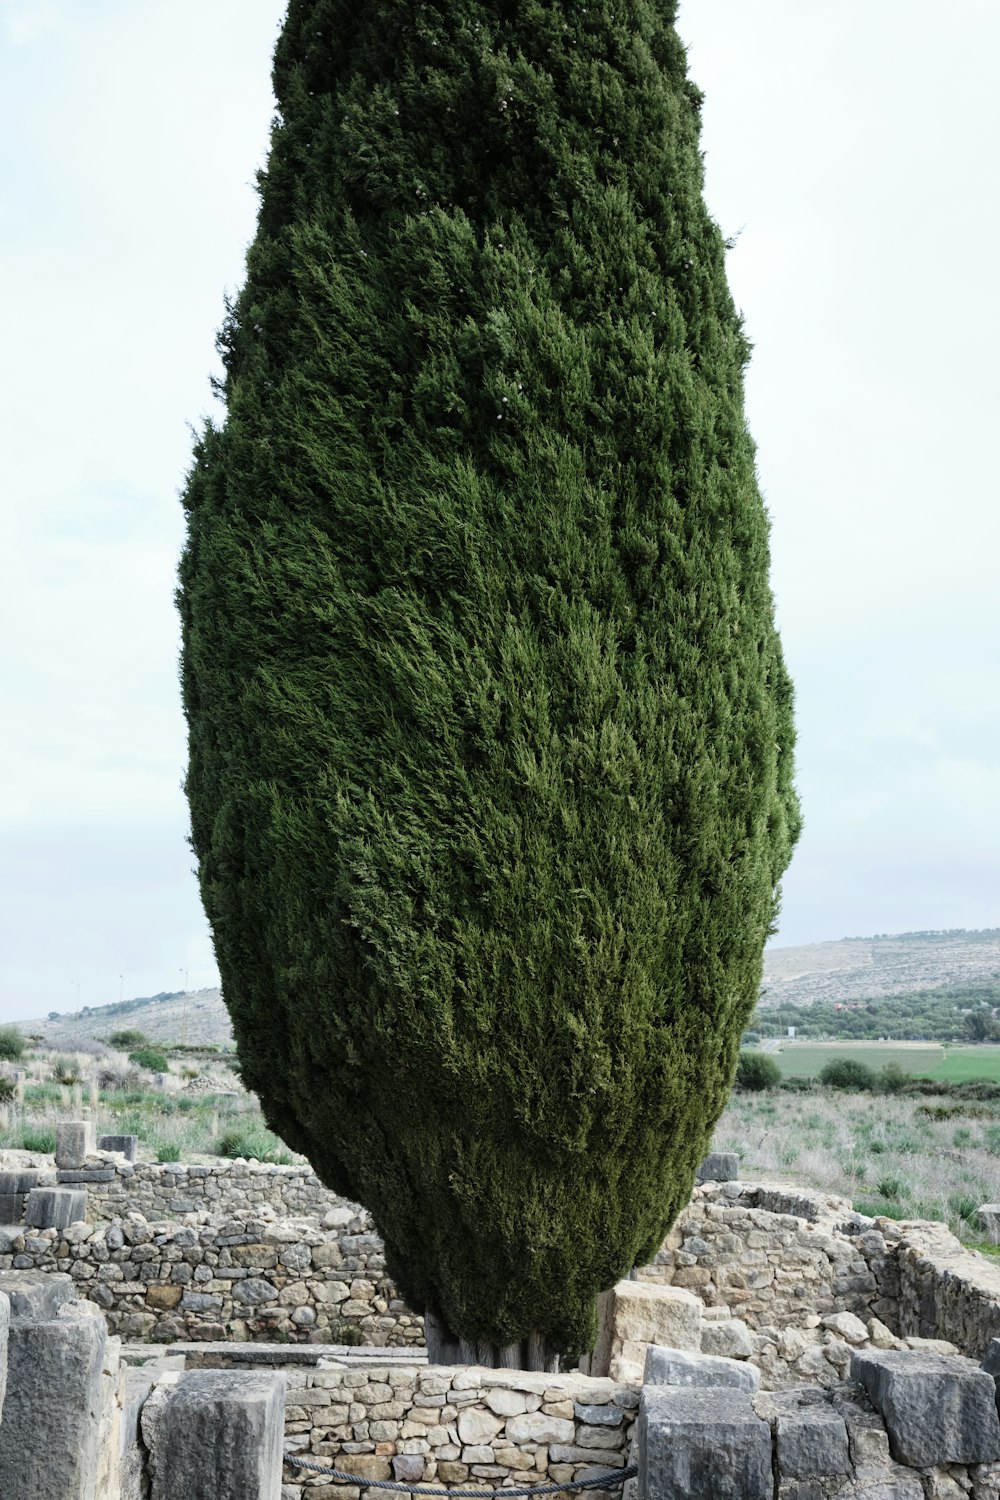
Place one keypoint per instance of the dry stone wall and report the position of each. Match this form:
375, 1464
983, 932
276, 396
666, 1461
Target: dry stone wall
225, 1189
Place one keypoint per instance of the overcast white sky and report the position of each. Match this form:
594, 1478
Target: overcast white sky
853, 147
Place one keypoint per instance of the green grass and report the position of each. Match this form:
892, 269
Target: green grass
807, 1059
960, 1064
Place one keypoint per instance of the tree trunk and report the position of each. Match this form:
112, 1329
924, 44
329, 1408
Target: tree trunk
443, 1348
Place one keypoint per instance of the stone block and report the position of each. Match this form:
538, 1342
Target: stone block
55, 1208
218, 1434
19, 1180
67, 1176
937, 1409
811, 1442
641, 1313
4, 1336
719, 1166
128, 1145
680, 1367
52, 1409
36, 1294
702, 1445
988, 1215
75, 1141
11, 1208
728, 1337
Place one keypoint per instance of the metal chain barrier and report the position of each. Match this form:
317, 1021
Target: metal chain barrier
611, 1480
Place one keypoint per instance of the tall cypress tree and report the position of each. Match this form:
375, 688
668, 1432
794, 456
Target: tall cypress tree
490, 732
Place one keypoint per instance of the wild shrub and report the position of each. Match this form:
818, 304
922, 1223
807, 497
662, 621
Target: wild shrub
151, 1058
755, 1072
13, 1043
847, 1073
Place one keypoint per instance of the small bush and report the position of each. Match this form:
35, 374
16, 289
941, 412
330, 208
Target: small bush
168, 1153
151, 1058
755, 1072
750, 1039
8, 1088
255, 1143
891, 1187
892, 1080
13, 1043
848, 1073
128, 1039
37, 1138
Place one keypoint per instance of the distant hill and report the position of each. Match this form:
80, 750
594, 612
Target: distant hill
197, 1017
851, 969
865, 968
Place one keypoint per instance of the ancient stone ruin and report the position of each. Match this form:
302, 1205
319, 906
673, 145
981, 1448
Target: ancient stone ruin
173, 1330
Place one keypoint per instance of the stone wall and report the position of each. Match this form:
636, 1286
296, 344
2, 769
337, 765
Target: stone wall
282, 1279
227, 1189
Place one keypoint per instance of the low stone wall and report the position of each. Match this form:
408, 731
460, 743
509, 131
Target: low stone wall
242, 1279
224, 1189
458, 1426
944, 1290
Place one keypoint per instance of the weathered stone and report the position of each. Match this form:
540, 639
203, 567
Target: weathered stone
19, 1180
127, 1145
506, 1403
989, 1221
50, 1429
75, 1141
811, 1441
55, 1208
679, 1367
599, 1416
643, 1313
217, 1433
163, 1297
937, 1409
538, 1427
71, 1175
702, 1445
476, 1427
4, 1335
408, 1466
719, 1166
729, 1337
847, 1326
36, 1294
254, 1291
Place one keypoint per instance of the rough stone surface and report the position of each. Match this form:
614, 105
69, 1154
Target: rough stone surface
680, 1367
218, 1436
811, 1441
49, 1436
644, 1313
719, 1166
728, 1337
936, 1409
4, 1335
75, 1141
128, 1145
35, 1295
702, 1445
55, 1207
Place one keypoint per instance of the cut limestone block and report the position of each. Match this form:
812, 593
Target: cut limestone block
52, 1410
36, 1294
75, 1141
937, 1409
14, 1188
4, 1335
719, 1166
680, 1367
811, 1442
729, 1337
702, 1445
641, 1313
56, 1207
128, 1145
67, 1175
217, 1435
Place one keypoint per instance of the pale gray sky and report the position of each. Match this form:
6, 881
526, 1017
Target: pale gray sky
852, 148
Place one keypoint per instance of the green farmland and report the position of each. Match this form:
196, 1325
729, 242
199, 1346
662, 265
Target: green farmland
951, 1063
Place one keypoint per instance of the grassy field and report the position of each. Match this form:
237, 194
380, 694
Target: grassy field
953, 1062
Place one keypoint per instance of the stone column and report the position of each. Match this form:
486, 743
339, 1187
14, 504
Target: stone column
705, 1444
216, 1435
49, 1435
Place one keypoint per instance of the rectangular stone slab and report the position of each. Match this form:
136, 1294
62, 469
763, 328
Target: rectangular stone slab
217, 1435
681, 1367
811, 1442
705, 1444
719, 1166
56, 1207
937, 1408
52, 1409
36, 1294
128, 1145
75, 1141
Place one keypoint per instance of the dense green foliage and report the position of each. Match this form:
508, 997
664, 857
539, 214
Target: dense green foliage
13, 1043
151, 1057
848, 1073
937, 1015
755, 1071
129, 1037
490, 733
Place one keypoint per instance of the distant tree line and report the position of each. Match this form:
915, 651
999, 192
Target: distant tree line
951, 1013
